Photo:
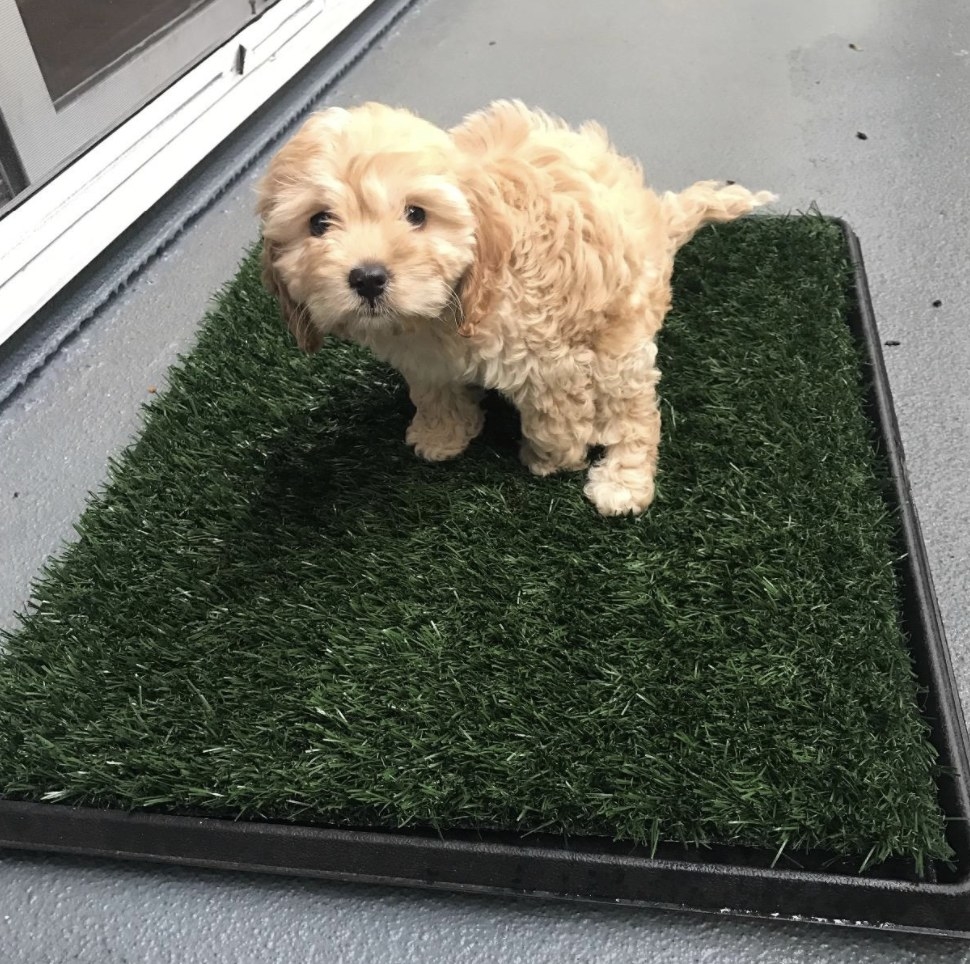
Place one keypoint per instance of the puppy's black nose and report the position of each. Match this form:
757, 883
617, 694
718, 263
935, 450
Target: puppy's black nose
368, 280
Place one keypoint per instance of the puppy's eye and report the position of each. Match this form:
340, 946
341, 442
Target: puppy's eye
320, 222
415, 215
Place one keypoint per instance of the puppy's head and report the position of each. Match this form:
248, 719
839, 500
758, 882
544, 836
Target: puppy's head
365, 223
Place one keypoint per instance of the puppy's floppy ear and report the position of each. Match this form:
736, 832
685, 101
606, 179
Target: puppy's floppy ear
493, 241
296, 315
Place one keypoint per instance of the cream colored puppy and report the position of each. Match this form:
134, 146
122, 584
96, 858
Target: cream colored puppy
511, 253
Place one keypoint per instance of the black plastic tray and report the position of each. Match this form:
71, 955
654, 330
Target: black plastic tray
815, 887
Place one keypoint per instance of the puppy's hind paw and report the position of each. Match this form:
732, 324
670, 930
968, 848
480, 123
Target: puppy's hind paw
615, 498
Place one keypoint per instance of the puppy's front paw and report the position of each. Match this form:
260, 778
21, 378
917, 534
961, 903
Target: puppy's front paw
441, 440
619, 498
540, 463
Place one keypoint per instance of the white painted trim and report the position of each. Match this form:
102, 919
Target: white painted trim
50, 237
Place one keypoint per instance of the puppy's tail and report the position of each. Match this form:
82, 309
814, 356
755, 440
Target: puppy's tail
707, 202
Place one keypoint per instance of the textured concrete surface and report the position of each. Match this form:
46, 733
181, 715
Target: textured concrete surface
764, 92
102, 914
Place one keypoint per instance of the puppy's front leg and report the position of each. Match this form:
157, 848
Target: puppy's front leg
556, 431
448, 417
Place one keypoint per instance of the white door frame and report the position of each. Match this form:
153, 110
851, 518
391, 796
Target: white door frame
47, 133
52, 235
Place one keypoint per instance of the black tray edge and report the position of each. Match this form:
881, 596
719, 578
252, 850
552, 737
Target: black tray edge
933, 662
521, 867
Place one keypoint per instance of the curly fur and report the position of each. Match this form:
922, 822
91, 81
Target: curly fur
542, 270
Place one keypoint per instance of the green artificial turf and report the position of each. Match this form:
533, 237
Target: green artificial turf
276, 611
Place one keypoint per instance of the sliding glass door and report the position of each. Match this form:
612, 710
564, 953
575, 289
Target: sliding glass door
72, 70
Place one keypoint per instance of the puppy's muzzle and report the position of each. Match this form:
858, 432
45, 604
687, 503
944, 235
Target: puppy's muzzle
369, 281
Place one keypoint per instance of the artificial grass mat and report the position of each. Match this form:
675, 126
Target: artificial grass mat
276, 611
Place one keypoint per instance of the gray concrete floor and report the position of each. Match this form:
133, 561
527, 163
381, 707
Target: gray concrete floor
764, 92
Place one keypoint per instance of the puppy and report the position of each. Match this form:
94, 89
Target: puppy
511, 253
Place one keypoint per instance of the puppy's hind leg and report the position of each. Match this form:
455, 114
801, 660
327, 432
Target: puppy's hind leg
622, 481
448, 417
